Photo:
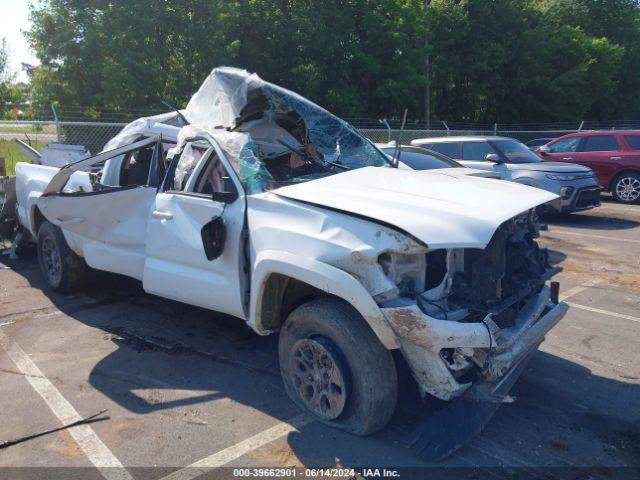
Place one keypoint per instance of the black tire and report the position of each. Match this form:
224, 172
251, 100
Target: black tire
63, 270
367, 367
625, 188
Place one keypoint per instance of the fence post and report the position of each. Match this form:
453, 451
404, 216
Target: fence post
57, 122
581, 125
447, 127
495, 129
386, 124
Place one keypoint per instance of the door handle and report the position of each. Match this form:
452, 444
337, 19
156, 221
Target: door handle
567, 158
616, 158
162, 215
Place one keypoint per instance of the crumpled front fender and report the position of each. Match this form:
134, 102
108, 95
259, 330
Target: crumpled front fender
322, 276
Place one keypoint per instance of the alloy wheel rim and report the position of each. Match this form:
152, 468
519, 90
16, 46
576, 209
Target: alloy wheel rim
628, 188
319, 377
52, 261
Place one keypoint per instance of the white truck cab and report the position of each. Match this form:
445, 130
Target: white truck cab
270, 209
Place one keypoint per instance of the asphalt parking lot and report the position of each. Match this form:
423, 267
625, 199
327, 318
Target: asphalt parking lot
187, 387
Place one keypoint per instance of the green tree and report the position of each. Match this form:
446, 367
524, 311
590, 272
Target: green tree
491, 60
10, 93
521, 66
358, 57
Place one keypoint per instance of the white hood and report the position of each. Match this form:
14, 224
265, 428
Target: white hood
441, 209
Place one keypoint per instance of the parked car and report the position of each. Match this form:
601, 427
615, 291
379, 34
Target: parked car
418, 158
577, 185
613, 156
537, 142
272, 210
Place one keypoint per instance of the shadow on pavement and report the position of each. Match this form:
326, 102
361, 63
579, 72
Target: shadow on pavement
564, 414
590, 221
556, 257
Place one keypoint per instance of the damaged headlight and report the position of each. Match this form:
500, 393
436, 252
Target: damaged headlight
405, 271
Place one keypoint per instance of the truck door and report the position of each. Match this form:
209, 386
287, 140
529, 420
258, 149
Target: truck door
195, 248
105, 220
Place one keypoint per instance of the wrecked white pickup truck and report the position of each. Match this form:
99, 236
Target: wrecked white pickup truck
274, 211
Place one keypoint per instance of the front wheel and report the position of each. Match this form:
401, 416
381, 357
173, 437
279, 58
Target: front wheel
61, 267
335, 368
626, 188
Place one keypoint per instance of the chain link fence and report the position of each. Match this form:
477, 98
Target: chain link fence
384, 136
93, 135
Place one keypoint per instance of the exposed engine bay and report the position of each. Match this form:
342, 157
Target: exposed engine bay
494, 294
500, 278
457, 284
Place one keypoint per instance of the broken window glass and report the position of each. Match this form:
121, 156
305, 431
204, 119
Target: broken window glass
213, 178
189, 158
290, 139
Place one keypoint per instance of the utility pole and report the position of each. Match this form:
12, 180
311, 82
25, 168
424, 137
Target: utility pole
427, 87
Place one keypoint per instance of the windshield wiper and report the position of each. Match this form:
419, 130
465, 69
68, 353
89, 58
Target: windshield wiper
313, 159
336, 163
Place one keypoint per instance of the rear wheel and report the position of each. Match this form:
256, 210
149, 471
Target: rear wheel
61, 267
626, 188
335, 368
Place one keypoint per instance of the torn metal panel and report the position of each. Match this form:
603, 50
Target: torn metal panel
165, 124
109, 232
61, 178
423, 339
28, 151
410, 323
517, 348
327, 238
221, 97
282, 126
59, 154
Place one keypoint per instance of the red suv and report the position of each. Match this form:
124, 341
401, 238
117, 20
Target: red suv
613, 156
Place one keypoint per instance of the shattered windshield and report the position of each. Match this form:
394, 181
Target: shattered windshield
287, 138
295, 141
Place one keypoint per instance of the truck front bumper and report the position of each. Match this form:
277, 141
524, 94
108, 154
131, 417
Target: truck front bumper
422, 338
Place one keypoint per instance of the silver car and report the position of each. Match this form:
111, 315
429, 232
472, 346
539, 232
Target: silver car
577, 185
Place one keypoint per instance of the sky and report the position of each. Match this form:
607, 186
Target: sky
14, 17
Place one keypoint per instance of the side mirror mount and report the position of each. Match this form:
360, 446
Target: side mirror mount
224, 197
544, 150
493, 158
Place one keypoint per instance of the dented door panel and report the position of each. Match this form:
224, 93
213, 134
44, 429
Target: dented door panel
110, 229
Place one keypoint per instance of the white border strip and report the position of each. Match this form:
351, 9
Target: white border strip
579, 288
97, 452
604, 312
239, 449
